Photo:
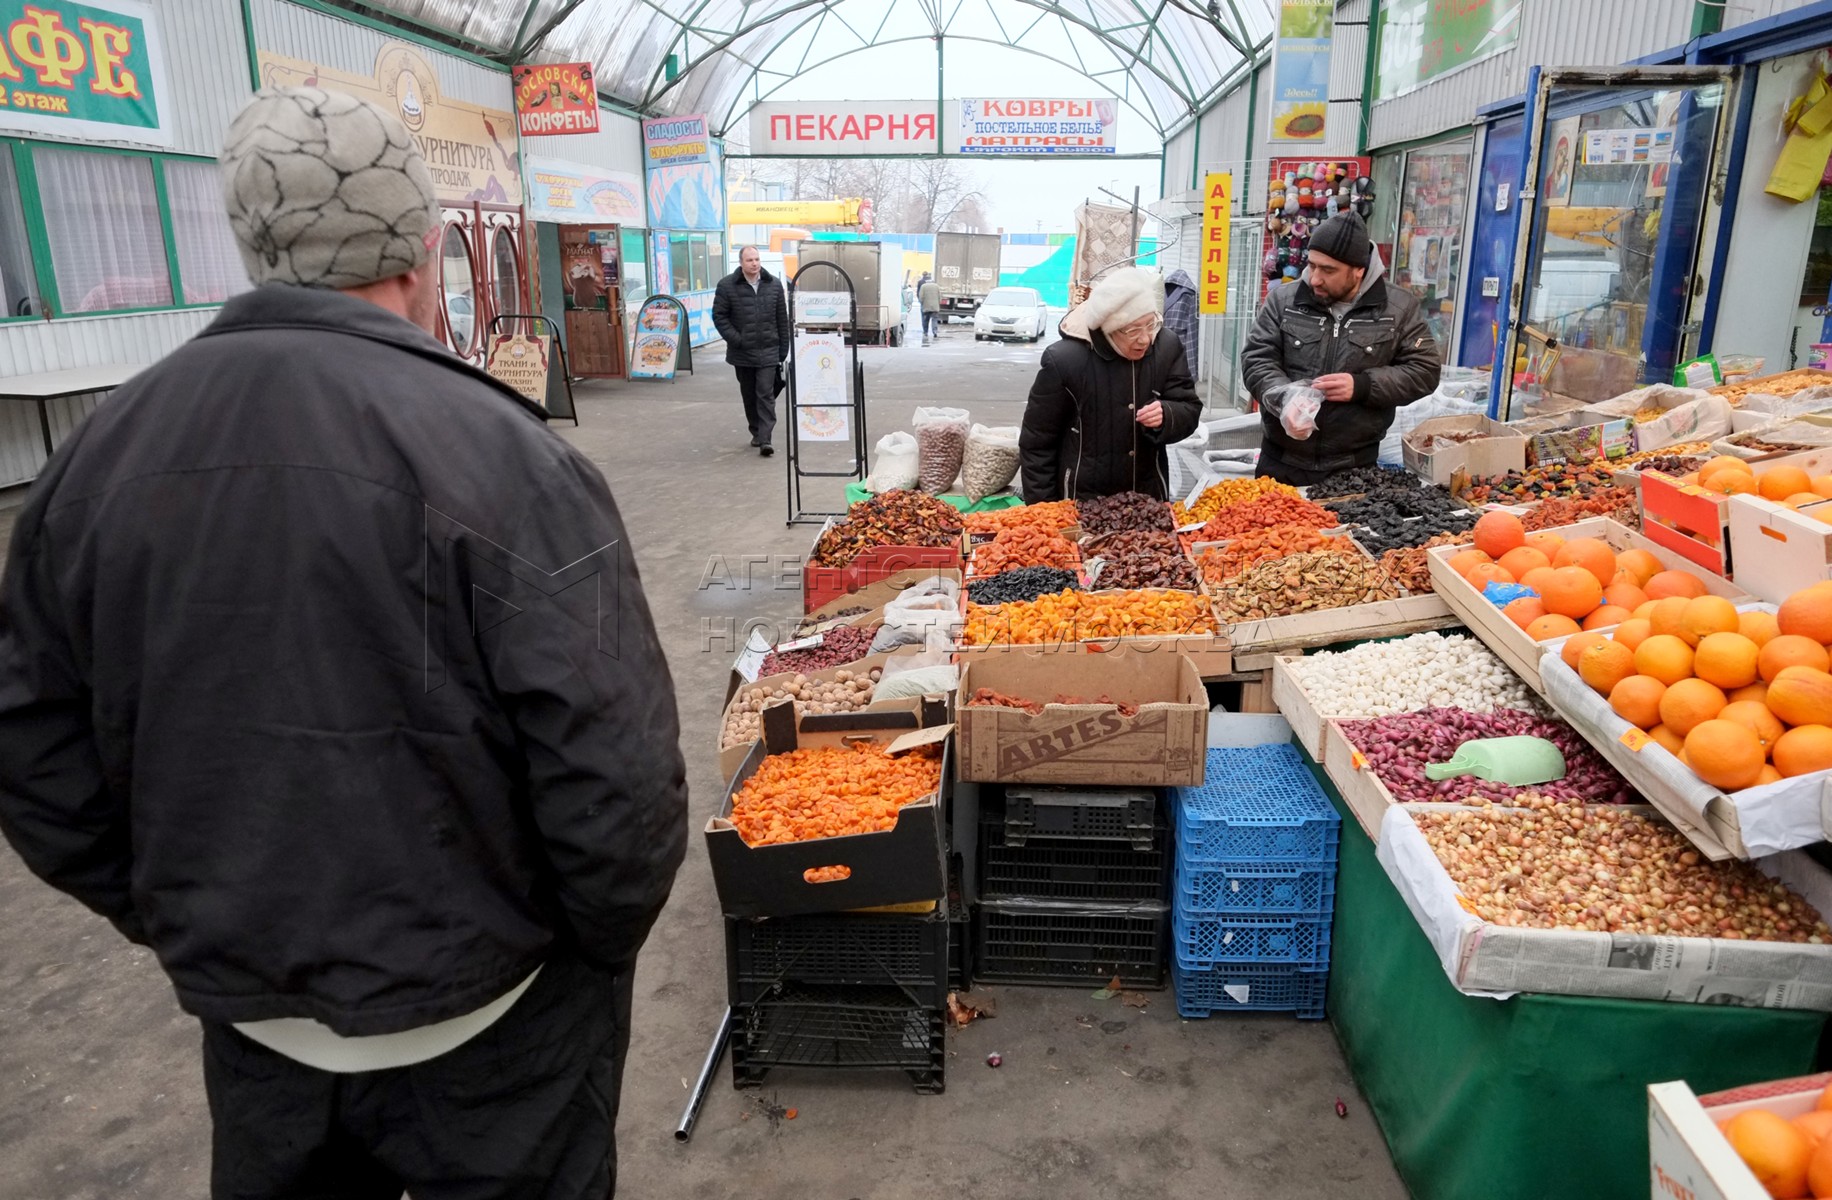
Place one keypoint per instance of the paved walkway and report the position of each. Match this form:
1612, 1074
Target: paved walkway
100, 1088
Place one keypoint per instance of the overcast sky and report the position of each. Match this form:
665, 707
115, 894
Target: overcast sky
1021, 197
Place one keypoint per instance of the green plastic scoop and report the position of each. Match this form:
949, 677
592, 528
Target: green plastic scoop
1513, 760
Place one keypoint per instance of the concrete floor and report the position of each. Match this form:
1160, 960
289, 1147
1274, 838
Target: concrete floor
100, 1088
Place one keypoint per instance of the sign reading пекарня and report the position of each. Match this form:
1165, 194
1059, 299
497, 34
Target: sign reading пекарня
1015, 125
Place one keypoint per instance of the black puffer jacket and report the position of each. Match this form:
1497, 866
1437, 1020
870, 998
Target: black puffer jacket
1383, 342
1080, 439
754, 323
298, 687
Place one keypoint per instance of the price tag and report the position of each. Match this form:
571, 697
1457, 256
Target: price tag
1358, 760
807, 643
1635, 740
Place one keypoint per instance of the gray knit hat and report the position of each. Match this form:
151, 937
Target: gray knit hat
325, 190
1344, 238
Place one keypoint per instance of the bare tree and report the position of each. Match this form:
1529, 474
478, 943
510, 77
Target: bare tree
938, 186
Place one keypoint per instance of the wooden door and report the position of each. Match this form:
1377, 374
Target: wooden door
591, 271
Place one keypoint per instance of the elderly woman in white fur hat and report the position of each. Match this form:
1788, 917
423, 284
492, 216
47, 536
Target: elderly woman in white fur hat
1109, 397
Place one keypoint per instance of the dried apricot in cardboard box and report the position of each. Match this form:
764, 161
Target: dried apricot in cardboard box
891, 866
1162, 745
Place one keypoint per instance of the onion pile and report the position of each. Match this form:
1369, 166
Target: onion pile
1399, 747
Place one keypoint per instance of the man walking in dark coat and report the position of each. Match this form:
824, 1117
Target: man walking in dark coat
751, 312
296, 688
1361, 339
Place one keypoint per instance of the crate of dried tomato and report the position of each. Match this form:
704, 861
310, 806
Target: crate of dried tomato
835, 812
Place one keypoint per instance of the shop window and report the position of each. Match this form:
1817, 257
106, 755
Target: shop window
505, 272
460, 288
1816, 284
635, 268
1428, 248
18, 278
101, 215
209, 266
680, 251
702, 268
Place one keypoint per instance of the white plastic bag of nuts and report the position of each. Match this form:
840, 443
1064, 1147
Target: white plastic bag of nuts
941, 445
894, 464
991, 462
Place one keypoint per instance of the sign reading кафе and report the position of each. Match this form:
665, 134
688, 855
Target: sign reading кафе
1422, 39
470, 150
85, 71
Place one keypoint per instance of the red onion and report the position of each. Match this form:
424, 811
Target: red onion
1399, 747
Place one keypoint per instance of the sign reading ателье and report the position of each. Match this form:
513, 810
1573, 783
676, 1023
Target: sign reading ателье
83, 71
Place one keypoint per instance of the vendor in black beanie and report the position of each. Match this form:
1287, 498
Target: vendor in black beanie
1359, 340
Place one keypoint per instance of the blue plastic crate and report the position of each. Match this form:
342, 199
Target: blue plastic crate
1260, 803
1232, 987
1297, 889
1242, 938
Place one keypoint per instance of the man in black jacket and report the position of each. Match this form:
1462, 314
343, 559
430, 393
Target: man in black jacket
299, 686
752, 315
1362, 340
1108, 397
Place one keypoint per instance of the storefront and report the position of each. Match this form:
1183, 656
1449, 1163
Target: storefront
1424, 239
686, 191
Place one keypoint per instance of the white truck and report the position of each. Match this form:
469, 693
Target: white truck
966, 267
877, 276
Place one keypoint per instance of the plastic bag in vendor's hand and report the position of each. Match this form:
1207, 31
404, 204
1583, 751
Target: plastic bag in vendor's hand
1297, 405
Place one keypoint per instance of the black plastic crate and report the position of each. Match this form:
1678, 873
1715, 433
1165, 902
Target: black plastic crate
1100, 814
840, 1028
901, 951
1050, 868
1040, 942
960, 943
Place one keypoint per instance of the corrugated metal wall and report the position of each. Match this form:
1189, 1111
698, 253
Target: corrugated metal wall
1179, 160
346, 46
1742, 12
1554, 33
1347, 72
617, 145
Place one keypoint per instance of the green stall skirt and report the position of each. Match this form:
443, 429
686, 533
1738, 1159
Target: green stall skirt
856, 492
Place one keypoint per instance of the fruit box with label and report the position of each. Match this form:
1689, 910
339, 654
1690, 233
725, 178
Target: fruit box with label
1577, 437
1681, 515
1501, 448
1482, 958
1163, 745
1688, 1156
1779, 550
898, 865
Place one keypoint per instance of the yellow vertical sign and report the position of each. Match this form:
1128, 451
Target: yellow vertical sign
1217, 200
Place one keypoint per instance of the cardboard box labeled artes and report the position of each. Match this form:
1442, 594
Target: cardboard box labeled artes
898, 865
1687, 1153
1162, 746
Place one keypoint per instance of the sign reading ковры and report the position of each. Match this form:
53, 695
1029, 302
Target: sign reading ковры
84, 71
1054, 127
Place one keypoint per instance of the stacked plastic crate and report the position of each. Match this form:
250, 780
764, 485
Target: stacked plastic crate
1073, 887
1255, 886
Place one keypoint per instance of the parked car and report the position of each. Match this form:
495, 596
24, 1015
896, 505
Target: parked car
1011, 313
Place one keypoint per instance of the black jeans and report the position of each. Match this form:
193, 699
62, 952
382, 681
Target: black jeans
526, 1109
758, 387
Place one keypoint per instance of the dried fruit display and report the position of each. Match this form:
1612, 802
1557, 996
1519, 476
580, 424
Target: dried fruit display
1025, 583
1358, 481
1303, 583
1607, 870
1399, 747
808, 623
1024, 547
845, 692
1409, 567
1680, 449
1383, 521
1426, 670
1125, 511
1667, 464
901, 518
840, 645
1618, 504
1218, 496
1052, 516
989, 697
1218, 563
1541, 483
828, 791
1237, 519
1141, 560
1081, 616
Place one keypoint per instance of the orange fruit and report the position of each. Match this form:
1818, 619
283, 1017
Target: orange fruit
1499, 532
1664, 657
1724, 462
1803, 749
1463, 560
1819, 1170
1669, 741
1814, 1126
1801, 696
1757, 691
1824, 1104
1808, 612
1706, 615
1769, 775
1572, 591
1731, 483
1637, 701
1822, 485
1673, 583
1633, 632
1725, 754
1669, 615
1536, 578
1778, 483
1645, 612
1546, 543
1574, 647
1521, 559
1758, 627
1641, 563
1593, 554
1604, 665
1754, 716
1625, 595
1776, 1152
1791, 650
1801, 499
1551, 626
1481, 575
1604, 617
1689, 703
1524, 611
1726, 659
